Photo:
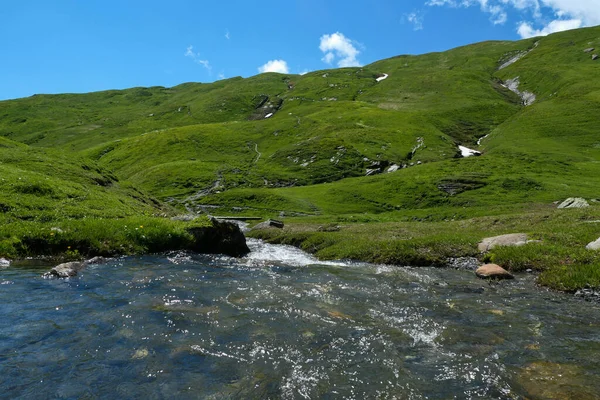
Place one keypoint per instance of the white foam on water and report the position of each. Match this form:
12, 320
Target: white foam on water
264, 254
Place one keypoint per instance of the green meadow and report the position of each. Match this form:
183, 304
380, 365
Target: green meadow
357, 166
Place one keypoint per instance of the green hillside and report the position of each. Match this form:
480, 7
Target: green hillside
377, 145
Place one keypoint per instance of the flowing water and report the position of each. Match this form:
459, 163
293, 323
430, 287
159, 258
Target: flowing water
280, 324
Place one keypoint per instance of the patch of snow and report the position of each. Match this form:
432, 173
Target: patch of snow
381, 78
466, 152
393, 168
269, 115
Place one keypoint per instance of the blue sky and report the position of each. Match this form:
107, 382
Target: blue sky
58, 46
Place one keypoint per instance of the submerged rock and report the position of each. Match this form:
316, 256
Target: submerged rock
548, 380
574, 202
512, 239
588, 294
493, 271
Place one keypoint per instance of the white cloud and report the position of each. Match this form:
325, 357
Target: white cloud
550, 15
416, 19
221, 76
196, 57
275, 66
337, 46
525, 30
227, 36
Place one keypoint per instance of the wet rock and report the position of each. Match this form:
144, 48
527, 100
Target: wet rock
223, 237
493, 271
271, 223
512, 239
97, 260
574, 202
140, 354
66, 270
588, 294
4, 263
468, 263
591, 246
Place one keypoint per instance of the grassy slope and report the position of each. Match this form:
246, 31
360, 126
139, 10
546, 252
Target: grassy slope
210, 144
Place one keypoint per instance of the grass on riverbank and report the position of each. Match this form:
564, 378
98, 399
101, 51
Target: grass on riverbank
74, 239
560, 257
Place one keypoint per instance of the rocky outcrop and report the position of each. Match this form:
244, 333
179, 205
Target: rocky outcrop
271, 223
223, 237
594, 245
512, 239
493, 271
574, 202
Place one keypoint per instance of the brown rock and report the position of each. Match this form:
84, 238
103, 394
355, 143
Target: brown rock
512, 239
493, 271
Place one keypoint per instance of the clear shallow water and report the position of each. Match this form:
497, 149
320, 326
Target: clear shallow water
194, 326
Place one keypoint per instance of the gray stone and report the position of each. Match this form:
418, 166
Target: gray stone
271, 223
493, 271
66, 270
512, 239
4, 263
594, 245
574, 202
97, 260
594, 57
467, 263
588, 294
589, 50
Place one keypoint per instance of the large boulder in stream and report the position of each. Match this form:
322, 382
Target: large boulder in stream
493, 271
223, 237
66, 270
69, 269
